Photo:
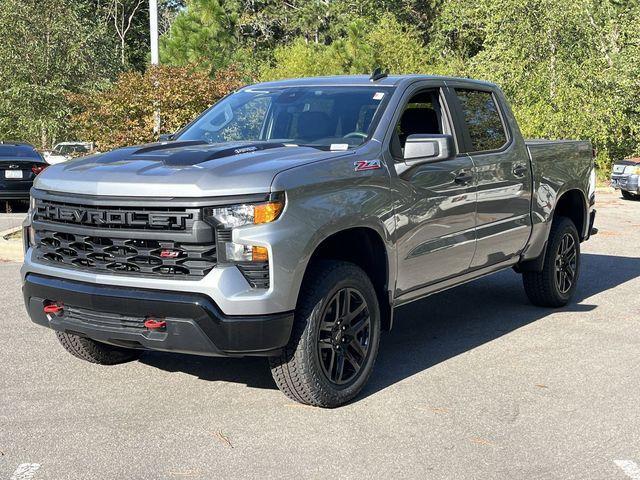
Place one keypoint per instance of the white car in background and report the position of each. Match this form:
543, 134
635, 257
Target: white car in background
67, 150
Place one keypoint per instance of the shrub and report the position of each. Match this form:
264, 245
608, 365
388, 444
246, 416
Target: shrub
123, 112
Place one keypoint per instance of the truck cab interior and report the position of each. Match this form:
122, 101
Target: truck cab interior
422, 115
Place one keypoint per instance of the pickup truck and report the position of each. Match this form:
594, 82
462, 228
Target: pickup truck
625, 176
291, 218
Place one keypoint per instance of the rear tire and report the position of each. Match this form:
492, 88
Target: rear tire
556, 283
335, 337
96, 352
629, 195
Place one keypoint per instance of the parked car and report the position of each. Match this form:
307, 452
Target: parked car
626, 178
67, 150
290, 220
20, 163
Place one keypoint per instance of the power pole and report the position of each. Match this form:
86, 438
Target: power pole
155, 60
153, 27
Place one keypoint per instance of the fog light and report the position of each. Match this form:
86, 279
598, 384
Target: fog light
236, 252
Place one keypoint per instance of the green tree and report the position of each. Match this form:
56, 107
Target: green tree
203, 33
388, 44
568, 66
47, 49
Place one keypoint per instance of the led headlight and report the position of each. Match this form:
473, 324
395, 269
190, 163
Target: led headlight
233, 216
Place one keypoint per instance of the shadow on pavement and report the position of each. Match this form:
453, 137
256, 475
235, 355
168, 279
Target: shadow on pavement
431, 330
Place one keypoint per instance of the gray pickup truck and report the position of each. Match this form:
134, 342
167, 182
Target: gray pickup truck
291, 218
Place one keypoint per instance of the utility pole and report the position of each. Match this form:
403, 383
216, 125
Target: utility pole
153, 27
155, 60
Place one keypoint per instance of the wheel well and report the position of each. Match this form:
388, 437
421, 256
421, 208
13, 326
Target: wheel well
571, 205
365, 248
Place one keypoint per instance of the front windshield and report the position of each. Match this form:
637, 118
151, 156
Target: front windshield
315, 116
69, 149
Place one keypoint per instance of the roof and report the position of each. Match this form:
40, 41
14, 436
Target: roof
11, 142
363, 80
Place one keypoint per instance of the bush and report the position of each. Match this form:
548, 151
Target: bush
123, 113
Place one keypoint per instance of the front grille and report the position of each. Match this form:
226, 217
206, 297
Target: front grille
125, 256
130, 218
104, 319
151, 242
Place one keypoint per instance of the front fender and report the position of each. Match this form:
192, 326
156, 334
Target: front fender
322, 199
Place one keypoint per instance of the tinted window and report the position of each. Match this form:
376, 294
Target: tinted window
483, 120
18, 151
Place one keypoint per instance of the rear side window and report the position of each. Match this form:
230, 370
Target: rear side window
483, 120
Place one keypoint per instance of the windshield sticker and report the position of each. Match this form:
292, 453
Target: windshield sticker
378, 95
339, 146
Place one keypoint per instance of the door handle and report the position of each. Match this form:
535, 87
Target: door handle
463, 178
520, 170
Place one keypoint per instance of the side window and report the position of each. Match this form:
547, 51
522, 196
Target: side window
421, 115
483, 120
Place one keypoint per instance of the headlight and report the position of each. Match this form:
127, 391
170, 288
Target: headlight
247, 214
233, 216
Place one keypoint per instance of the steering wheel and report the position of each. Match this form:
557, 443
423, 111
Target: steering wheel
355, 134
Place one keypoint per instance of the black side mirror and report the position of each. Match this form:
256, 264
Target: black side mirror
166, 137
428, 148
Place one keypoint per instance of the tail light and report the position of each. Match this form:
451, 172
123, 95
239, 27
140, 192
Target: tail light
36, 169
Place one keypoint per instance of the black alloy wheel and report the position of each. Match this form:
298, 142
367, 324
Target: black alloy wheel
566, 263
345, 336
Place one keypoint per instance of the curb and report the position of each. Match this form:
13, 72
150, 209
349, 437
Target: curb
10, 231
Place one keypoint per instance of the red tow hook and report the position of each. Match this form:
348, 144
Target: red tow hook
153, 324
53, 309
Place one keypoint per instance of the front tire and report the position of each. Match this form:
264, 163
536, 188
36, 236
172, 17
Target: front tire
629, 195
556, 283
335, 337
96, 352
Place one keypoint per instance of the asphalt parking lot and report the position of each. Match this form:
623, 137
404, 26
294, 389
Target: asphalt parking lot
473, 383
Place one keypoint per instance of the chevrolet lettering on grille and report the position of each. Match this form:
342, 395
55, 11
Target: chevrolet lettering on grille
124, 218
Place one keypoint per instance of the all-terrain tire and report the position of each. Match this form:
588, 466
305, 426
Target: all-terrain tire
96, 352
543, 288
301, 371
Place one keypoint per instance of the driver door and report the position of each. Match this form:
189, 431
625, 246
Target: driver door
435, 206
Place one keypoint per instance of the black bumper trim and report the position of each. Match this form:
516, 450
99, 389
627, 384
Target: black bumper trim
195, 324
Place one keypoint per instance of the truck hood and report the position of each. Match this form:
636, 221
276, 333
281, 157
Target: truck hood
179, 169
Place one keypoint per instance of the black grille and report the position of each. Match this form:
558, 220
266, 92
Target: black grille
130, 218
104, 319
125, 256
257, 274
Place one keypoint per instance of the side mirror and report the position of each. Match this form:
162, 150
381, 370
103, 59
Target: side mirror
165, 137
428, 148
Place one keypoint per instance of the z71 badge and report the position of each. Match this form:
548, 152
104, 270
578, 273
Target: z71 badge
367, 165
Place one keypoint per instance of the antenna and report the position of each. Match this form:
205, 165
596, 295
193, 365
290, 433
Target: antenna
378, 74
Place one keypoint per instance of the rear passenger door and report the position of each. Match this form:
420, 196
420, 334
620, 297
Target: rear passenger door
502, 172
